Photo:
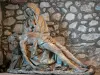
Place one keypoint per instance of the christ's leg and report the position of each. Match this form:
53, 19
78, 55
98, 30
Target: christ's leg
70, 55
51, 47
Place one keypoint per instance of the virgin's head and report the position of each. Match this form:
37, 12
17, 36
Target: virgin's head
34, 7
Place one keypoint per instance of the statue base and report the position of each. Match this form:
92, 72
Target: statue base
57, 72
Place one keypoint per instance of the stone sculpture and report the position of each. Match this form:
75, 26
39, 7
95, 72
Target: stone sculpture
16, 52
36, 46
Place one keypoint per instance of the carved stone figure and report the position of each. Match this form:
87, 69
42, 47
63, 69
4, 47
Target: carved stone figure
16, 51
36, 39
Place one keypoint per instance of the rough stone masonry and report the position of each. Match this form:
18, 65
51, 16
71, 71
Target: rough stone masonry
74, 23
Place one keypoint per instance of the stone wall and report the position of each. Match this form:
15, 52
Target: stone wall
0, 35
74, 23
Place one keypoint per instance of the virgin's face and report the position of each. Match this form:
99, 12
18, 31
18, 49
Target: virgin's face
29, 12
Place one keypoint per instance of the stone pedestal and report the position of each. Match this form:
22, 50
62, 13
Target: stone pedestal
58, 72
